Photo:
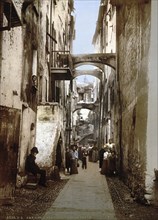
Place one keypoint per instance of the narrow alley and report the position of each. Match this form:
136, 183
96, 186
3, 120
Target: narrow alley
78, 83
86, 195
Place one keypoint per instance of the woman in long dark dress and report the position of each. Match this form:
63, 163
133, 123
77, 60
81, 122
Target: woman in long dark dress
68, 157
74, 160
101, 156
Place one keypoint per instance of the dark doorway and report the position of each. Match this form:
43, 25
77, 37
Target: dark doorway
58, 154
9, 144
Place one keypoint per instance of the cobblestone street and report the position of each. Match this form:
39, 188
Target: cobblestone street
31, 203
34, 203
125, 206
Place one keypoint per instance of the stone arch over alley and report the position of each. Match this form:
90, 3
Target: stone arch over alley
89, 106
105, 73
97, 58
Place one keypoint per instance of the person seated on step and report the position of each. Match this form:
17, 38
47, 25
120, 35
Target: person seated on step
32, 167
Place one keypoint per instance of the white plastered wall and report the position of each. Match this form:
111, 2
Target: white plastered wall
152, 121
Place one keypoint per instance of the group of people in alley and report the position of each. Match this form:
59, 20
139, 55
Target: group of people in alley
106, 156
107, 159
72, 157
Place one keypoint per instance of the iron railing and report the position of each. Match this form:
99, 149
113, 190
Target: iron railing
61, 59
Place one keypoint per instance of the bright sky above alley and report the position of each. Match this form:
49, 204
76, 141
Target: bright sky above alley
86, 13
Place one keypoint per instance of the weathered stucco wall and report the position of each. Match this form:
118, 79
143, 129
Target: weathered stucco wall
11, 50
133, 34
49, 128
11, 68
43, 55
16, 94
27, 137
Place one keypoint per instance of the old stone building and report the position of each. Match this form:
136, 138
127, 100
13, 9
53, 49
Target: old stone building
35, 43
104, 40
135, 91
54, 107
18, 87
83, 103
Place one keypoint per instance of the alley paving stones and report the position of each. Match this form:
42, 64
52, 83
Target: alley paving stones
31, 203
125, 206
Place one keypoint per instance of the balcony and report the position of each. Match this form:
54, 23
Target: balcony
61, 65
9, 17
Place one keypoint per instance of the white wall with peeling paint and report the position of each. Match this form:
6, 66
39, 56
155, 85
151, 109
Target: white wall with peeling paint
11, 68
49, 128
